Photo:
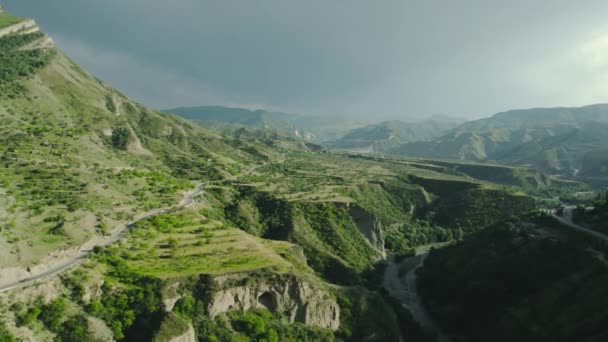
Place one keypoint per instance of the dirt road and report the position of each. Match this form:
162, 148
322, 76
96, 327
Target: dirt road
186, 201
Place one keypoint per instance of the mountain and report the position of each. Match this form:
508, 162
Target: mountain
568, 141
119, 222
224, 119
77, 156
390, 134
105, 203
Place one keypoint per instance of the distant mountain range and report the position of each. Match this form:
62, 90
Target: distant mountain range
568, 141
391, 134
311, 128
571, 141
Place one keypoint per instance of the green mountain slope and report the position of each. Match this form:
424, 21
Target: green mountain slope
77, 156
390, 134
7, 20
558, 140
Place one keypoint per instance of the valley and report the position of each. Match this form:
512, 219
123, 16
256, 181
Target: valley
119, 222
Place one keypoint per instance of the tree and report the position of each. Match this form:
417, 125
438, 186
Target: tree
75, 329
52, 314
5, 336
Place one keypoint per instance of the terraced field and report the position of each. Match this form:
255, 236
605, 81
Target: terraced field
182, 245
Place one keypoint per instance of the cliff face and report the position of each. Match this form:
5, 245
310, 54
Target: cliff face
370, 226
299, 300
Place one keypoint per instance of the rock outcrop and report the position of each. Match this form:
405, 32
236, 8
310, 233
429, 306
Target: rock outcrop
188, 336
25, 26
299, 300
171, 296
370, 227
175, 329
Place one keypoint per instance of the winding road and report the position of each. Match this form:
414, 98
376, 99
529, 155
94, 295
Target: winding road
121, 230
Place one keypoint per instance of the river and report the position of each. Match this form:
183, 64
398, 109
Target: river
403, 287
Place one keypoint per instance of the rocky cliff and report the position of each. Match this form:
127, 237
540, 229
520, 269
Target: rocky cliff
299, 300
370, 226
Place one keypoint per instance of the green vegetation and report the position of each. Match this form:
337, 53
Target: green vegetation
184, 243
78, 159
5, 336
54, 316
8, 20
17, 63
131, 309
172, 326
75, 329
364, 314
335, 228
391, 203
110, 106
255, 325
27, 317
331, 241
509, 283
596, 218
260, 213
262, 325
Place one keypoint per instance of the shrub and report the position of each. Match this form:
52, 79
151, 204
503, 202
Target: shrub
29, 316
52, 314
75, 329
16, 64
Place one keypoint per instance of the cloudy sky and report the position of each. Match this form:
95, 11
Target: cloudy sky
365, 58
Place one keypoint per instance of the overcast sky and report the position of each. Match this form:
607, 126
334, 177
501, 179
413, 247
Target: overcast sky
369, 59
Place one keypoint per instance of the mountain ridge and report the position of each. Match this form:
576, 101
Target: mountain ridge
385, 135
555, 140
312, 128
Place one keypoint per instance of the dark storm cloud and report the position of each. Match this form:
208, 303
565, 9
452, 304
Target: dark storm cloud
383, 58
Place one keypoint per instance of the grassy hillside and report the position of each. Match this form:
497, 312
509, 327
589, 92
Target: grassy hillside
78, 157
313, 200
7, 19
